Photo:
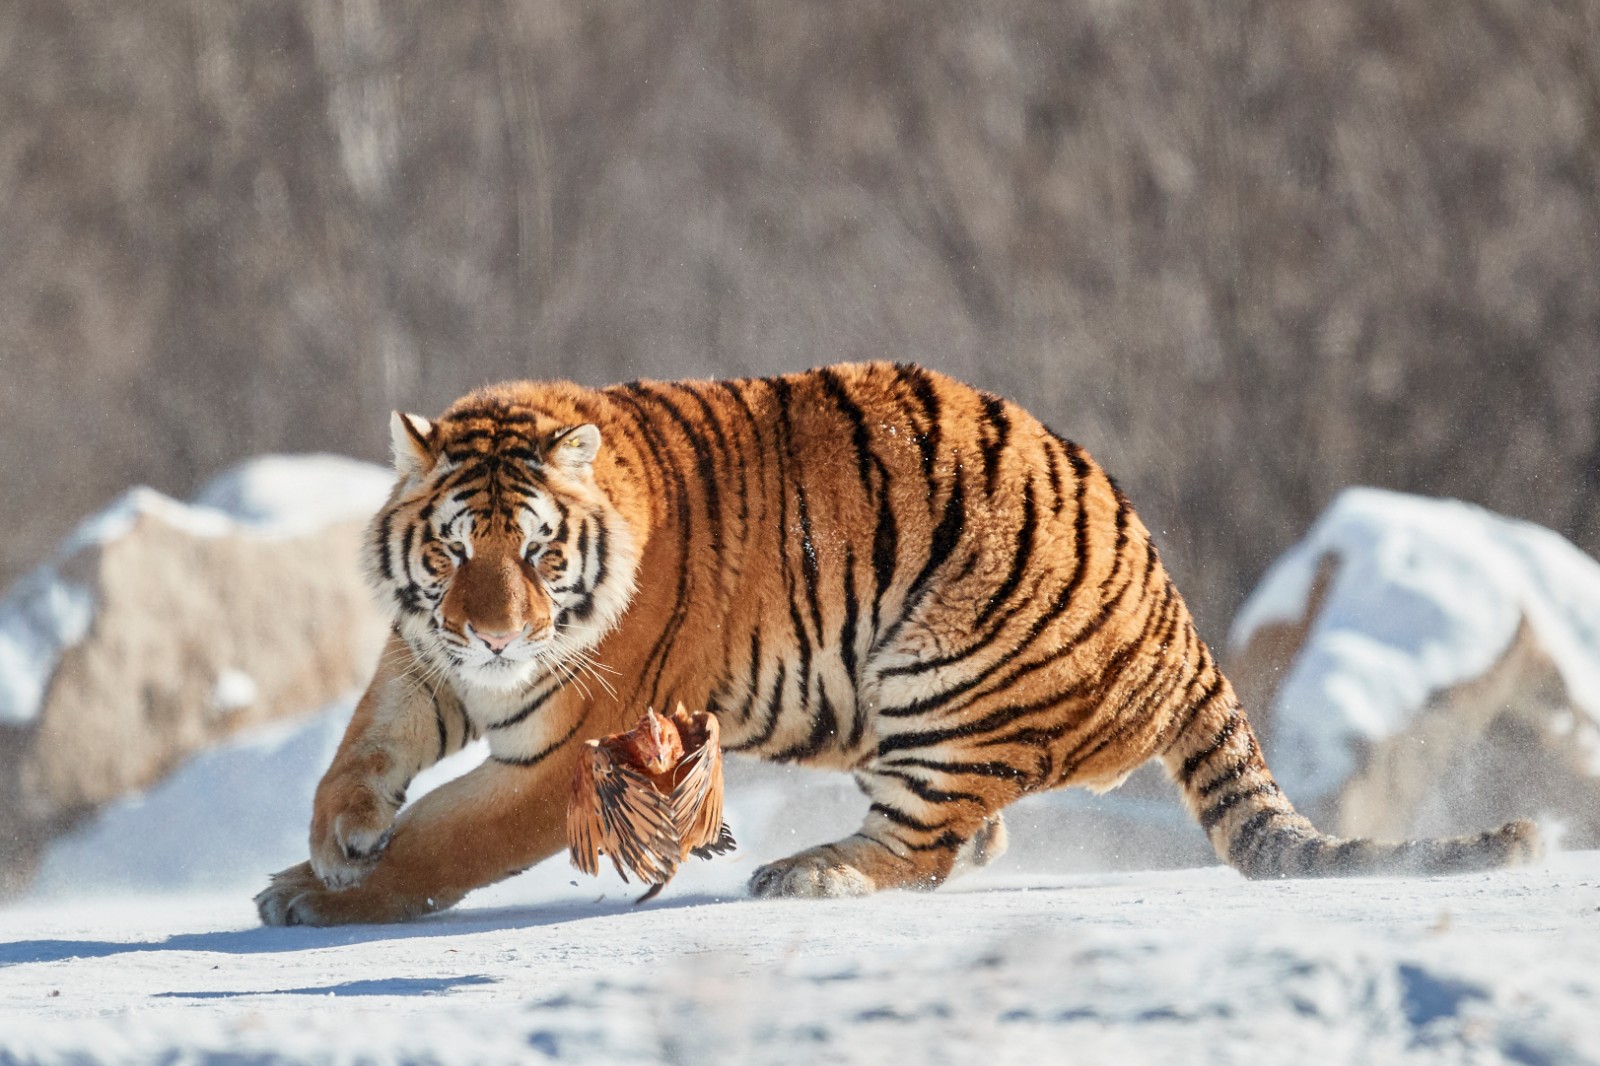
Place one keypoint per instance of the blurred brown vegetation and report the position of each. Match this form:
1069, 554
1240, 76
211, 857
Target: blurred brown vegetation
1247, 252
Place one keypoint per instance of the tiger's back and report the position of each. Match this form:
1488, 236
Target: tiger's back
874, 568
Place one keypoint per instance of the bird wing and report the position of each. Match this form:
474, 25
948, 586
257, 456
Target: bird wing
614, 810
697, 795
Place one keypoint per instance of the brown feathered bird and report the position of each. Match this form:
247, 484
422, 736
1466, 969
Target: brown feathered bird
649, 798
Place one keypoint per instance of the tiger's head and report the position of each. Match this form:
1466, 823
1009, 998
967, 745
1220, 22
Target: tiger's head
503, 558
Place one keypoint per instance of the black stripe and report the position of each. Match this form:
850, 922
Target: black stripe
406, 540
946, 535
438, 721
905, 820
946, 841
1211, 692
885, 548
705, 465
1019, 558
994, 412
774, 709
1121, 523
754, 680
385, 527
929, 436
847, 628
544, 753
1213, 815
1053, 466
528, 708
583, 545
824, 727
720, 436
735, 389
1223, 734
995, 719
1247, 832
1244, 764
1002, 770
809, 568
834, 387
847, 653
885, 536
925, 791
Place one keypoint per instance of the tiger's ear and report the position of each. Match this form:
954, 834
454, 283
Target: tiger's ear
411, 439
573, 450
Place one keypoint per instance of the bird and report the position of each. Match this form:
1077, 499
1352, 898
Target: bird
649, 798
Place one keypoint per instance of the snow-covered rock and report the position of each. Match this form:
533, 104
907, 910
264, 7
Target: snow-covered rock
161, 627
1421, 666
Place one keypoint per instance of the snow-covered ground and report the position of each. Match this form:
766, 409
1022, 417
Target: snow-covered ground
140, 945
1178, 966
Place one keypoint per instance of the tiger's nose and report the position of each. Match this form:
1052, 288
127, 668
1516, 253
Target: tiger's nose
497, 642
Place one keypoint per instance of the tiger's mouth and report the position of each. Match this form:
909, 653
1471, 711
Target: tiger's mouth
501, 674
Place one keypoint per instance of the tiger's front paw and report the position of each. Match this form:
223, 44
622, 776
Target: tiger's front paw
349, 830
297, 896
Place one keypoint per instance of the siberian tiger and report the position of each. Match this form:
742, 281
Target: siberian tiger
869, 567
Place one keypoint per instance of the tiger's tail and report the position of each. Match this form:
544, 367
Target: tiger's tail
1216, 762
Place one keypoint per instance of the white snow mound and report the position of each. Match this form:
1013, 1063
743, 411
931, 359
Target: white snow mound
45, 613
1427, 594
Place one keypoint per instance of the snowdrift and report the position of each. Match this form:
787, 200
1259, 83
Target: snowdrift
1423, 666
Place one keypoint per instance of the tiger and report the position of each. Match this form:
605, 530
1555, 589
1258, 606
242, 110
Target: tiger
871, 567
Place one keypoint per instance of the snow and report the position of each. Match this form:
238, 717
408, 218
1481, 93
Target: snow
288, 495
42, 615
45, 612
234, 690
140, 945
1427, 594
1177, 966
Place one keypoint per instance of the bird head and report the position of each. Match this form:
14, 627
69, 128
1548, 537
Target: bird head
654, 743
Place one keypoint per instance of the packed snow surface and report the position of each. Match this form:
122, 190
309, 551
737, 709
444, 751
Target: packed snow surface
1426, 594
140, 945
46, 612
1177, 966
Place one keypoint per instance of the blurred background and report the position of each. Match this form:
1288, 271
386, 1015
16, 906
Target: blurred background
1247, 253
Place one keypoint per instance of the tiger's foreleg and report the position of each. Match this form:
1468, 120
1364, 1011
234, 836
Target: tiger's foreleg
924, 826
401, 725
493, 822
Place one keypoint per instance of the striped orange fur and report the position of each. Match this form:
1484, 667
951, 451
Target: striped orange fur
869, 567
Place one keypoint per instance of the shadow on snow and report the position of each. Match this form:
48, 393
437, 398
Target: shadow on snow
265, 941
391, 986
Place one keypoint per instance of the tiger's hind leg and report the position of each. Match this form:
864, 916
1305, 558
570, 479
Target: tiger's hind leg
922, 828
